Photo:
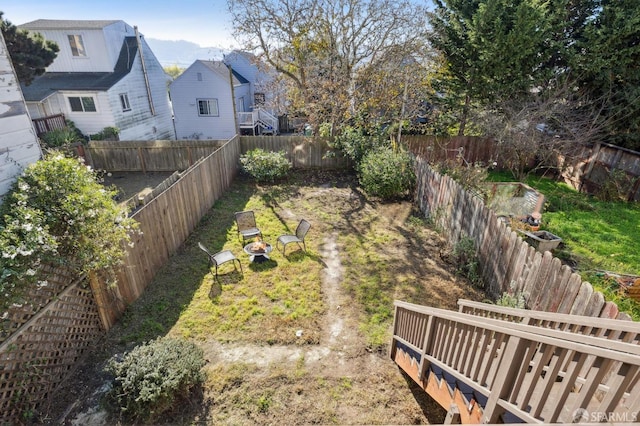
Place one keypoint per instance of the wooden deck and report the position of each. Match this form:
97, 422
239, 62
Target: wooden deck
491, 365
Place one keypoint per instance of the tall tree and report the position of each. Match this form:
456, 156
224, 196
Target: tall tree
610, 67
492, 49
30, 53
320, 45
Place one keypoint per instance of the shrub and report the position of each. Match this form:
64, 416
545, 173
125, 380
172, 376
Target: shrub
60, 137
58, 212
265, 166
154, 378
466, 261
107, 134
355, 143
387, 174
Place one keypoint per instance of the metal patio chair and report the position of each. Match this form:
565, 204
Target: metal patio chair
247, 227
221, 257
301, 232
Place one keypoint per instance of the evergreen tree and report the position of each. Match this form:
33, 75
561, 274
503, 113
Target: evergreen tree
30, 53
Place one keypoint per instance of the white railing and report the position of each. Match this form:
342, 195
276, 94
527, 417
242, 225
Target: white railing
265, 121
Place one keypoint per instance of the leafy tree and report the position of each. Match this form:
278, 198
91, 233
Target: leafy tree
608, 67
321, 45
491, 49
30, 53
173, 70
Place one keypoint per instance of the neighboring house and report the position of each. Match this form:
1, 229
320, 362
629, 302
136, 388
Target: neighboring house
203, 101
105, 75
18, 141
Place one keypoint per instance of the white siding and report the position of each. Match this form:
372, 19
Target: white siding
18, 142
185, 91
88, 122
99, 56
260, 80
139, 123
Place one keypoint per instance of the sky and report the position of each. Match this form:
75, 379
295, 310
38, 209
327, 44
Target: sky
204, 22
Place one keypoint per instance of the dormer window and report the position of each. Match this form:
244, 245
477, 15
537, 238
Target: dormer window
77, 45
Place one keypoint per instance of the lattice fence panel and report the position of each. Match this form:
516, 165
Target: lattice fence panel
54, 281
45, 349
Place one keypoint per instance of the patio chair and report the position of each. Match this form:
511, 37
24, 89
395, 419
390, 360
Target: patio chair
301, 232
247, 227
220, 258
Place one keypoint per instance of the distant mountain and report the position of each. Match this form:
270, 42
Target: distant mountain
182, 53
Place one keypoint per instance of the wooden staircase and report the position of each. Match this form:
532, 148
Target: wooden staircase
490, 364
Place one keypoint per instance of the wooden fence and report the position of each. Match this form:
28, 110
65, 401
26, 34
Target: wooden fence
147, 156
587, 170
507, 262
302, 151
166, 222
42, 342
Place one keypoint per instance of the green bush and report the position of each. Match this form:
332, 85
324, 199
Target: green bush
387, 174
60, 137
107, 134
154, 378
265, 166
355, 143
467, 263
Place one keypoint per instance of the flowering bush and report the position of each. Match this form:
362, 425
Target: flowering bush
58, 212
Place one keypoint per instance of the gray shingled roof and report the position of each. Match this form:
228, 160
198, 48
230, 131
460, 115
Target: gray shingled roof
222, 69
58, 24
50, 82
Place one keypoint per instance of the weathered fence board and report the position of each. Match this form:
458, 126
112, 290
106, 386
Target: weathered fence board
507, 262
148, 156
302, 151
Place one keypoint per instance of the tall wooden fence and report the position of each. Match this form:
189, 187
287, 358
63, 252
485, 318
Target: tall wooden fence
166, 222
586, 170
42, 342
507, 262
147, 156
302, 151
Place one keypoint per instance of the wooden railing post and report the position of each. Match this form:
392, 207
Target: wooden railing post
510, 366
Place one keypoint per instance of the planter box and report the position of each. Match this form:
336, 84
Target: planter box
543, 240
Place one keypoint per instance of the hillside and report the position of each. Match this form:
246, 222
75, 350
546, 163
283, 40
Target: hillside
182, 53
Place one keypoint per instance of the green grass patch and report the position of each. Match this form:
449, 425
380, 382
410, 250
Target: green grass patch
597, 235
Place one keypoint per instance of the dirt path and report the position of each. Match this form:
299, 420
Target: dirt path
339, 380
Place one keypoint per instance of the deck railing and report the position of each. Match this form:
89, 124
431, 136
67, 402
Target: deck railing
51, 122
495, 370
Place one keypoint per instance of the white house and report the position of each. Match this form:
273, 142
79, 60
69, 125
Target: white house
266, 94
18, 141
105, 75
205, 97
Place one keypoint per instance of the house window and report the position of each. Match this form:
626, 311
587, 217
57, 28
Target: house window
259, 99
77, 45
124, 102
199, 76
208, 107
82, 104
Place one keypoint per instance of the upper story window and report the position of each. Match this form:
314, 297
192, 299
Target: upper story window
124, 102
199, 76
77, 45
82, 103
208, 107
